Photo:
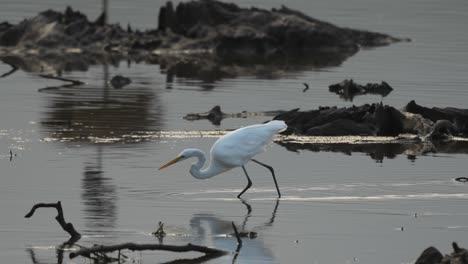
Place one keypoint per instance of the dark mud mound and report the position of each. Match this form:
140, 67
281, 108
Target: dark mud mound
226, 33
378, 120
431, 255
457, 118
348, 89
236, 31
365, 120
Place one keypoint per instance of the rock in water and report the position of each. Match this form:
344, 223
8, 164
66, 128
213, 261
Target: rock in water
120, 81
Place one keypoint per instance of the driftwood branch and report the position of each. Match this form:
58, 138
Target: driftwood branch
87, 252
68, 227
98, 252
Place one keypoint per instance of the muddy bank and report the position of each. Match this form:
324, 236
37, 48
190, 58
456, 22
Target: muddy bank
224, 33
365, 120
378, 120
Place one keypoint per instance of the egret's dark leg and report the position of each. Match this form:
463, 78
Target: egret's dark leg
249, 183
272, 173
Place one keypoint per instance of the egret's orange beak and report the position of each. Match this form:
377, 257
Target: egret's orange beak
179, 158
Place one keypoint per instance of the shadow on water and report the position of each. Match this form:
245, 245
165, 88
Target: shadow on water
99, 196
379, 152
84, 113
209, 229
206, 68
210, 70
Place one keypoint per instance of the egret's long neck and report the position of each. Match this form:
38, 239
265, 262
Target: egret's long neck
212, 170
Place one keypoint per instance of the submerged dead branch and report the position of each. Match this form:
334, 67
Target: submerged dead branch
98, 253
99, 249
68, 227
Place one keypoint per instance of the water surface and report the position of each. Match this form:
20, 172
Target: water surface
96, 149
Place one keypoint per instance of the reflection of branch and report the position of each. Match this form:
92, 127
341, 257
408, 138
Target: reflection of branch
54, 88
87, 252
47, 76
13, 70
202, 259
68, 227
72, 82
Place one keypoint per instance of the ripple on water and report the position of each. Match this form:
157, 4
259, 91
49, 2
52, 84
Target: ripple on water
333, 192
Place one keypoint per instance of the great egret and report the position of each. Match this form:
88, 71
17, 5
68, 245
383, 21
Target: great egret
234, 149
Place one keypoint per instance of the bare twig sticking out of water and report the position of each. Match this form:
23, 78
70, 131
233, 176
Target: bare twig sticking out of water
68, 227
306, 87
99, 249
98, 252
11, 155
10, 72
159, 233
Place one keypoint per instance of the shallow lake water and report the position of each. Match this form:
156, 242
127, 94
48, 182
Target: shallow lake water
97, 149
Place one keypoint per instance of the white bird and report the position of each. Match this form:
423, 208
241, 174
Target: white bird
232, 150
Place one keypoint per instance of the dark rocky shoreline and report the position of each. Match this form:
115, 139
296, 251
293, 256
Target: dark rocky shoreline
212, 40
378, 120
204, 32
428, 124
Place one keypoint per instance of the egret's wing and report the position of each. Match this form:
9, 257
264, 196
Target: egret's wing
238, 147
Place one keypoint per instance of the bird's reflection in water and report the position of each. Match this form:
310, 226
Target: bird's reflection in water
99, 197
210, 230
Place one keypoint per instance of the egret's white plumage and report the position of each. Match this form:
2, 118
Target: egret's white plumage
234, 149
